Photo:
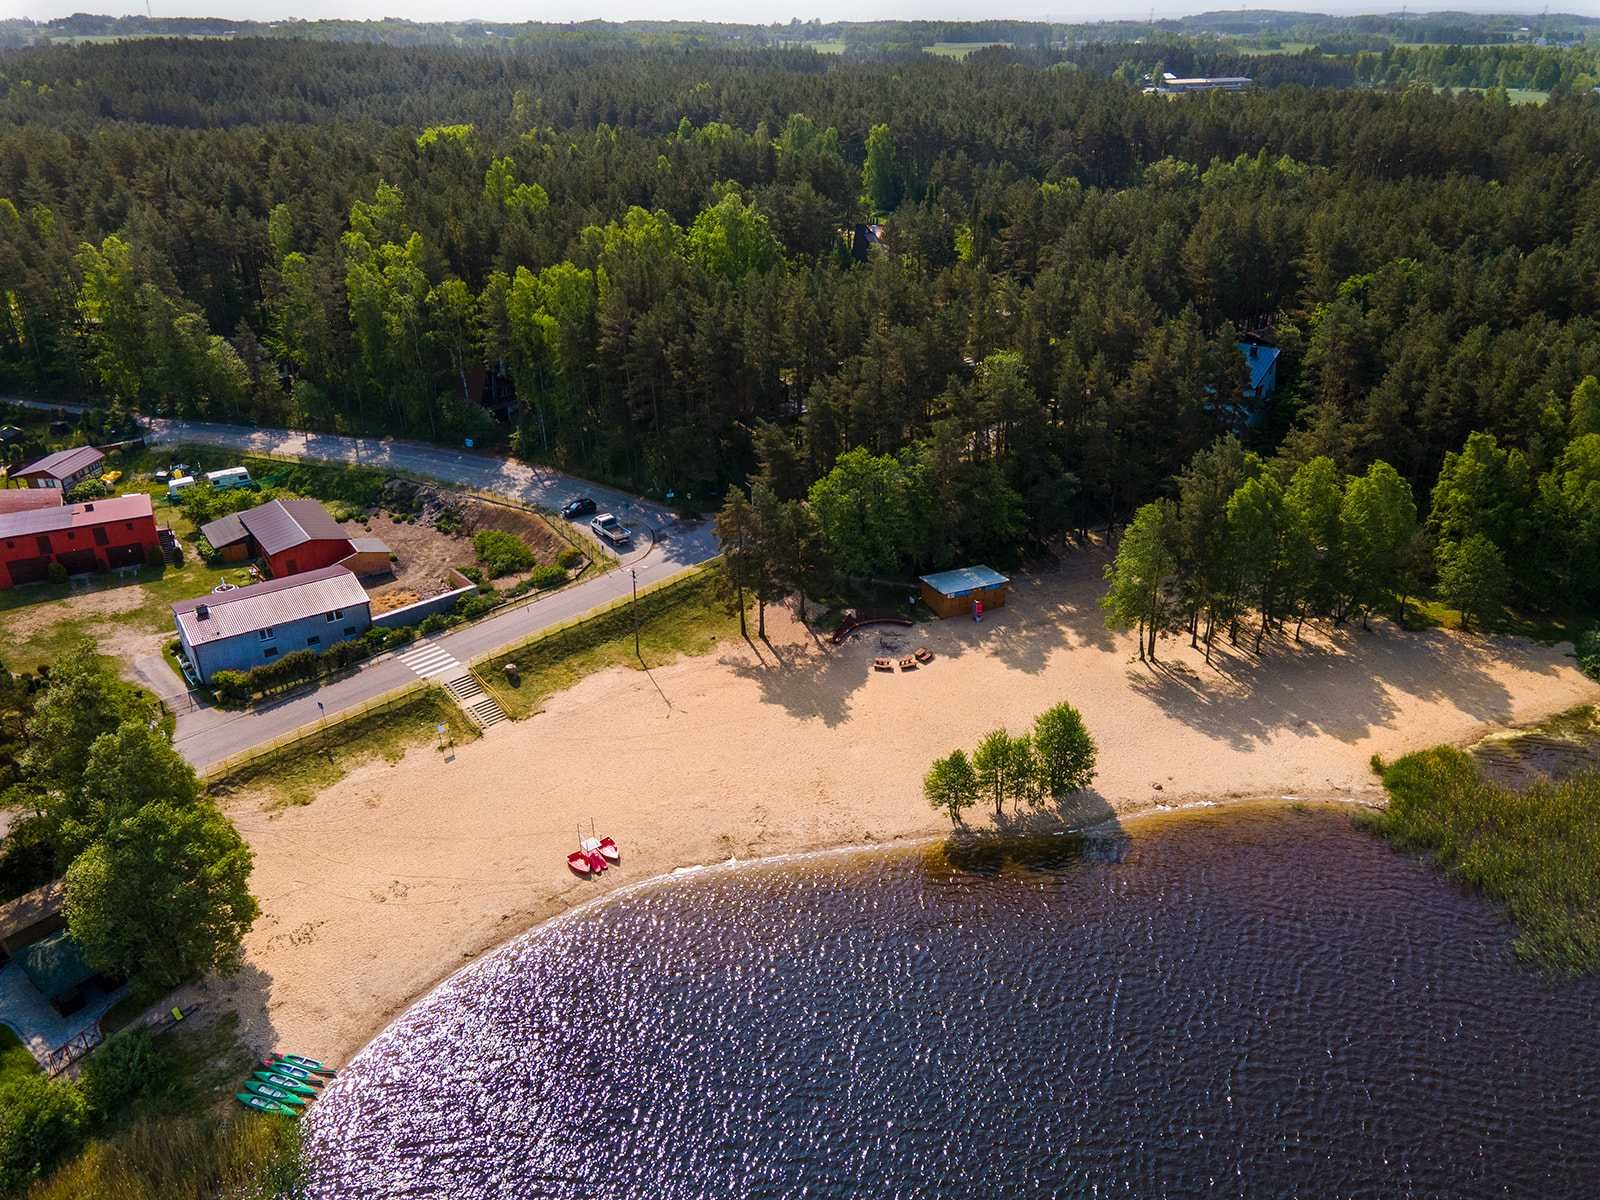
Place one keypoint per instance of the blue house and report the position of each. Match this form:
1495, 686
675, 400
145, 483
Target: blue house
245, 627
1263, 363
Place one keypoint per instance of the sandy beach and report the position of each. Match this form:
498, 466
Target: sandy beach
396, 876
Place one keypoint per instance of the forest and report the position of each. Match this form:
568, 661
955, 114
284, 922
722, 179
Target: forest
654, 266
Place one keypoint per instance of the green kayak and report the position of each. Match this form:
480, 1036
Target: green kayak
273, 1093
261, 1104
301, 1061
287, 1084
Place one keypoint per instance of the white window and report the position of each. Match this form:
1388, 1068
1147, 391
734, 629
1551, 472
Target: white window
267, 634
336, 615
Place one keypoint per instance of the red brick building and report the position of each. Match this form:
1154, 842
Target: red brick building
95, 536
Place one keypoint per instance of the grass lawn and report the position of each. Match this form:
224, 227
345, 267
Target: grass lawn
960, 49
685, 618
295, 773
1537, 851
183, 1137
15, 1061
1435, 614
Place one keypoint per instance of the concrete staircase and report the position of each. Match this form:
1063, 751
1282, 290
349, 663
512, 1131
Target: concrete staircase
483, 708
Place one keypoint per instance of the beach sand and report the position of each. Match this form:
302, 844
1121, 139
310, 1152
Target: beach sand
399, 874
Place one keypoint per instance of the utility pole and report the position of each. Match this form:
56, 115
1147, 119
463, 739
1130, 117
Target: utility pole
634, 575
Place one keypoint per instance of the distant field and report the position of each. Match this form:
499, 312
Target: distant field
1517, 95
961, 49
1285, 48
833, 47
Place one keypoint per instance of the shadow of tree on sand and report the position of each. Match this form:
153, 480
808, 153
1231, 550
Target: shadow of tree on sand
1342, 684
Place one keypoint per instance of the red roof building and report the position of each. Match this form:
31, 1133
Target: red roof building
27, 499
96, 536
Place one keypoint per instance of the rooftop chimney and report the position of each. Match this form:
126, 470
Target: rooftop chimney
201, 612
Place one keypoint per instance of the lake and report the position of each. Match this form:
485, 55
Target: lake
1255, 1001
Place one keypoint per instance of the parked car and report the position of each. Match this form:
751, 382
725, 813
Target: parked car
577, 507
611, 529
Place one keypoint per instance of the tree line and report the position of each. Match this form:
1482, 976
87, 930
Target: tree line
645, 257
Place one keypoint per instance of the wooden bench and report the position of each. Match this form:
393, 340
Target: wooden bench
882, 664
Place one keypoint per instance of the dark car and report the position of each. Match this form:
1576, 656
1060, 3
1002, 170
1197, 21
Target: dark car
577, 507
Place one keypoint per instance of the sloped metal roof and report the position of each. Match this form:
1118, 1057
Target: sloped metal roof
76, 516
55, 965
224, 531
262, 605
282, 524
27, 499
62, 463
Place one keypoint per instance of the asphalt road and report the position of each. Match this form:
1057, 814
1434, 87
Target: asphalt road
663, 547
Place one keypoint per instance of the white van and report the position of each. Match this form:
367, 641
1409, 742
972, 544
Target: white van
174, 486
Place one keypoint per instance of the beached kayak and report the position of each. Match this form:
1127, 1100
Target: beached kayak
261, 1104
304, 1063
274, 1093
273, 1079
293, 1072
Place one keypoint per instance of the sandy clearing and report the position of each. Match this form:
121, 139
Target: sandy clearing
400, 873
25, 621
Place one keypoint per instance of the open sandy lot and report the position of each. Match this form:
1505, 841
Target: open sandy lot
399, 874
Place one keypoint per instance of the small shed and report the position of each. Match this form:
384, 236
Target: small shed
56, 967
953, 593
368, 556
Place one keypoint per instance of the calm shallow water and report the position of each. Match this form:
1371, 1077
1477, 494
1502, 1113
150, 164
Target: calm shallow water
1238, 1002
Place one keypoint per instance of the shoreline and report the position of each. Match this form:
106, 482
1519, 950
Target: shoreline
397, 876
623, 891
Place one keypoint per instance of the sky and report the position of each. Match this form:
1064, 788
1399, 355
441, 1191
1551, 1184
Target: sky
726, 10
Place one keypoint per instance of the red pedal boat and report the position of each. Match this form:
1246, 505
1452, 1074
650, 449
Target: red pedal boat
609, 849
579, 862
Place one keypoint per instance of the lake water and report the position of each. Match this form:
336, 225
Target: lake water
1232, 1002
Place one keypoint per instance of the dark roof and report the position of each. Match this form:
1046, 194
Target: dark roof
275, 602
282, 524
224, 531
62, 463
76, 516
55, 965
1260, 358
965, 579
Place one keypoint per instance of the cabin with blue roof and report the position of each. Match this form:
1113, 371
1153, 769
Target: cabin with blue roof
955, 593
1262, 360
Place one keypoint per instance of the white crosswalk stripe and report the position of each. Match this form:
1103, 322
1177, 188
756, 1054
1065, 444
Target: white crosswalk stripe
428, 659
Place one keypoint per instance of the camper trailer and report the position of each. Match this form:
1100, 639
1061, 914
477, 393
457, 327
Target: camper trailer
231, 477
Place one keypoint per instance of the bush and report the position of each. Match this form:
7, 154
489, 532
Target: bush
547, 576
89, 489
433, 624
477, 604
1588, 650
233, 688
154, 557
501, 553
41, 1122
571, 557
473, 573
126, 1066
295, 667
56, 573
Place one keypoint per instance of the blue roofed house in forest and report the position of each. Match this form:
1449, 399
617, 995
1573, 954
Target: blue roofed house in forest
1262, 360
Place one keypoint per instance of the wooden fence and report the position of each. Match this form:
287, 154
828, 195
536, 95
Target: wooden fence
215, 772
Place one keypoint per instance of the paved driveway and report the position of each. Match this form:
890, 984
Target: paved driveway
663, 547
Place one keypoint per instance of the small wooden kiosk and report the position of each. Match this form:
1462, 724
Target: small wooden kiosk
953, 593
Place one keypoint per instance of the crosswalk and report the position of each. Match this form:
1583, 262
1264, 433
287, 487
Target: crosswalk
432, 661
429, 659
